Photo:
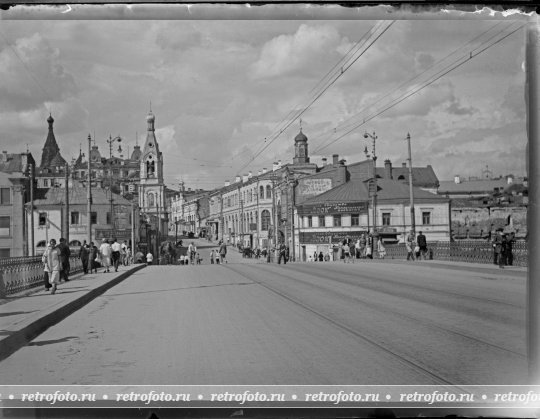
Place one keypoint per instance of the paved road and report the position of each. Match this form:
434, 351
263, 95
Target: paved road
304, 323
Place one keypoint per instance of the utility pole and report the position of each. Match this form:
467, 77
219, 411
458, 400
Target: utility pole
132, 226
274, 210
411, 193
89, 197
32, 251
292, 219
66, 220
374, 196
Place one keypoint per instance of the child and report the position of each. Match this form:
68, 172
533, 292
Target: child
149, 258
198, 258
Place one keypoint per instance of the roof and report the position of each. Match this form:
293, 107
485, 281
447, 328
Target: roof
387, 191
13, 163
423, 177
77, 196
471, 186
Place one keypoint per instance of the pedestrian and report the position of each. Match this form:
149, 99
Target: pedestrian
216, 255
198, 258
192, 250
65, 253
410, 245
83, 256
497, 247
127, 259
212, 256
116, 249
510, 240
321, 256
223, 252
381, 249
149, 258
363, 242
327, 257
504, 251
346, 252
283, 253
315, 256
105, 252
45, 261
54, 263
369, 246
93, 257
422, 245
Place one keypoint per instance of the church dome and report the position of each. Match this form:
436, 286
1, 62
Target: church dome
300, 137
150, 117
50, 119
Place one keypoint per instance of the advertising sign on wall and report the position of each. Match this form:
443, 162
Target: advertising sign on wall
311, 187
322, 237
333, 208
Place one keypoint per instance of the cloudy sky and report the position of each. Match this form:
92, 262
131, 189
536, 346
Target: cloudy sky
223, 90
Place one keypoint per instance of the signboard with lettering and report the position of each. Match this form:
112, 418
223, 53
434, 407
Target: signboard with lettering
311, 187
323, 237
109, 233
333, 208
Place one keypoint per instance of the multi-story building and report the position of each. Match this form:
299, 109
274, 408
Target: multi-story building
51, 214
16, 175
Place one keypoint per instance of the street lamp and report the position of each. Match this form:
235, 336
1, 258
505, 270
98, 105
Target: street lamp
374, 158
413, 223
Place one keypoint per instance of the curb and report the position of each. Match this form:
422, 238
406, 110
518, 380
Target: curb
13, 342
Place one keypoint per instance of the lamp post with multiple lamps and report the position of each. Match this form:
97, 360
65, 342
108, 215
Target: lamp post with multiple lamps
373, 156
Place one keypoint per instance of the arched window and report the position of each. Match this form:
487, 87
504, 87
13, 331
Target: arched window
268, 192
261, 192
265, 220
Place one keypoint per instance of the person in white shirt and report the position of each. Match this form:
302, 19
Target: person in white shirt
105, 251
192, 249
149, 258
116, 250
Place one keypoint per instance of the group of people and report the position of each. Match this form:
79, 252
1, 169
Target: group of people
56, 264
503, 243
219, 255
416, 246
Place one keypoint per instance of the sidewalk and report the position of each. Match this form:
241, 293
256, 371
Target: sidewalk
25, 315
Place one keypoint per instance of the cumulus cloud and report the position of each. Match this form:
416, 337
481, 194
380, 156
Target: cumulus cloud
32, 74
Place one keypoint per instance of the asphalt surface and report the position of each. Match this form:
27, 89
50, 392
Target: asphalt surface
248, 322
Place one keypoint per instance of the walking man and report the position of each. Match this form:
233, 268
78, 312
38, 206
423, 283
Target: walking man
54, 264
223, 252
116, 250
83, 256
283, 253
105, 251
410, 245
422, 244
65, 253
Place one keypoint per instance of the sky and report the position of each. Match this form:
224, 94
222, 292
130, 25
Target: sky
223, 91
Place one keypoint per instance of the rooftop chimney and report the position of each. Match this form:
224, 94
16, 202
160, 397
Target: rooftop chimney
275, 166
457, 179
510, 179
387, 169
245, 178
227, 183
264, 170
404, 164
324, 161
250, 175
259, 173
335, 158
237, 179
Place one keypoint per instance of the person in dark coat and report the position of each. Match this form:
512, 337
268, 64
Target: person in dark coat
65, 253
283, 253
497, 248
83, 256
421, 242
92, 255
510, 239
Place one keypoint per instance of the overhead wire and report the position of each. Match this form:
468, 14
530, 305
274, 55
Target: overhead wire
441, 73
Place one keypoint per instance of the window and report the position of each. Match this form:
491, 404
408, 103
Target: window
261, 192
426, 217
42, 243
5, 196
309, 221
93, 217
322, 221
337, 220
265, 220
45, 183
109, 219
75, 217
5, 253
268, 192
355, 219
4, 226
385, 218
42, 219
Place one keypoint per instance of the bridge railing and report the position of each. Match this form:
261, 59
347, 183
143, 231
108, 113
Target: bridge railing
26, 272
472, 251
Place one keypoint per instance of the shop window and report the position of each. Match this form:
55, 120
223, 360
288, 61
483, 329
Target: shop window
322, 221
337, 220
355, 219
5, 226
386, 219
5, 196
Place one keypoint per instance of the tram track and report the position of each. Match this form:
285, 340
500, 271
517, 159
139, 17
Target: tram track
398, 314
407, 361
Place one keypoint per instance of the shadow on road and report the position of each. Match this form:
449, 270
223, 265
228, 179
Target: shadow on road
52, 342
